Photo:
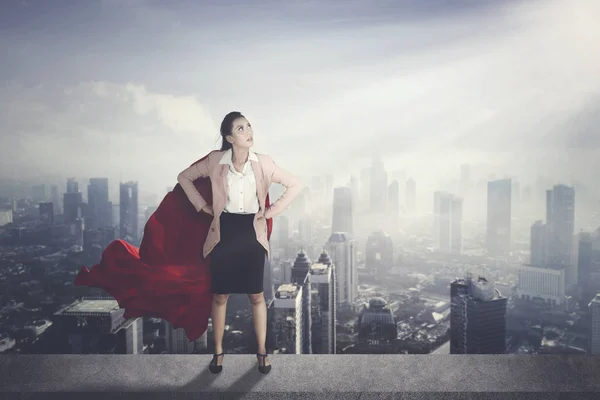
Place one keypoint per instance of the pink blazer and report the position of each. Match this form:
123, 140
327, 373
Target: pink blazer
265, 171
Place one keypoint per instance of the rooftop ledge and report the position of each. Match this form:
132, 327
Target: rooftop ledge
301, 376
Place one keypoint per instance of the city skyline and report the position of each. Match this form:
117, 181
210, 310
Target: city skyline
429, 87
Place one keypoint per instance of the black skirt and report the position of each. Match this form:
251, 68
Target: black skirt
237, 262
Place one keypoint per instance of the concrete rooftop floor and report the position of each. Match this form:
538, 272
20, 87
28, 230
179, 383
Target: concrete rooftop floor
300, 376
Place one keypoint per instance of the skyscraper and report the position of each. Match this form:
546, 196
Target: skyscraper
560, 217
539, 244
128, 204
378, 181
343, 210
73, 202
477, 317
499, 213
594, 311
100, 208
323, 307
447, 222
342, 250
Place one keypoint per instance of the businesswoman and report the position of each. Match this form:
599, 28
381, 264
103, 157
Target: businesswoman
237, 240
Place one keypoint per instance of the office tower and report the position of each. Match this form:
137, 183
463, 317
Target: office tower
499, 217
177, 341
96, 326
73, 202
411, 195
539, 244
286, 320
378, 185
100, 208
55, 199
324, 259
560, 217
477, 317
300, 277
376, 326
594, 312
40, 195
47, 214
542, 283
447, 222
323, 306
379, 253
72, 185
589, 266
342, 250
128, 203
343, 211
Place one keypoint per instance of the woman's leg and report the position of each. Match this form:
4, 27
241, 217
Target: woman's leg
259, 314
219, 310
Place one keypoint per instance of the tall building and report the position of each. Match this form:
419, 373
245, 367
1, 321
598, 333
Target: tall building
542, 283
343, 210
47, 213
55, 198
594, 312
100, 208
560, 217
477, 317
447, 222
589, 266
300, 277
286, 320
97, 326
323, 306
365, 188
499, 211
539, 244
129, 215
342, 250
73, 202
411, 195
376, 326
378, 183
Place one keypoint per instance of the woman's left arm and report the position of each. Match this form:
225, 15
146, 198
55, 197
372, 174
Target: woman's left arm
293, 187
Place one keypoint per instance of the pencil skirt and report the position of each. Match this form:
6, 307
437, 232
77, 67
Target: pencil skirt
237, 263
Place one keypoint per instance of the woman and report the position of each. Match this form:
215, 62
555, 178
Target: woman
237, 240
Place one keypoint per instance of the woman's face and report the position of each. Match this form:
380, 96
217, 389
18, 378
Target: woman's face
241, 133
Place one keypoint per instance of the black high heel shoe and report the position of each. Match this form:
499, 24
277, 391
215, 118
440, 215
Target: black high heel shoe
263, 369
213, 367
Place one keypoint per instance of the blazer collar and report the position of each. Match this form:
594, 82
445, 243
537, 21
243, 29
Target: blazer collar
228, 154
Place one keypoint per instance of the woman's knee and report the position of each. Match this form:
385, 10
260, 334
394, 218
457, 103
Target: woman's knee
220, 299
256, 298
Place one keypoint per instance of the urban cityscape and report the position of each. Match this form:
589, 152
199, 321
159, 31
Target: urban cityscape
489, 266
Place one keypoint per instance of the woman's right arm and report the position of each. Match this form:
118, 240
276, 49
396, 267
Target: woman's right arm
186, 179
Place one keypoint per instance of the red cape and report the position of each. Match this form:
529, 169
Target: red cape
167, 277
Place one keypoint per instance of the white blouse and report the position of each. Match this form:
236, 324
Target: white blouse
241, 187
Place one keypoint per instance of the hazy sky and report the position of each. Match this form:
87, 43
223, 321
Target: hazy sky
136, 89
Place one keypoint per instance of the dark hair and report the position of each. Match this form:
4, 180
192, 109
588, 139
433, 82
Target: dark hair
226, 127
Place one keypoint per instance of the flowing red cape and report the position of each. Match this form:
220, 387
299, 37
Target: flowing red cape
167, 277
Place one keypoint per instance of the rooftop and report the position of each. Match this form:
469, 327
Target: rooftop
294, 376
